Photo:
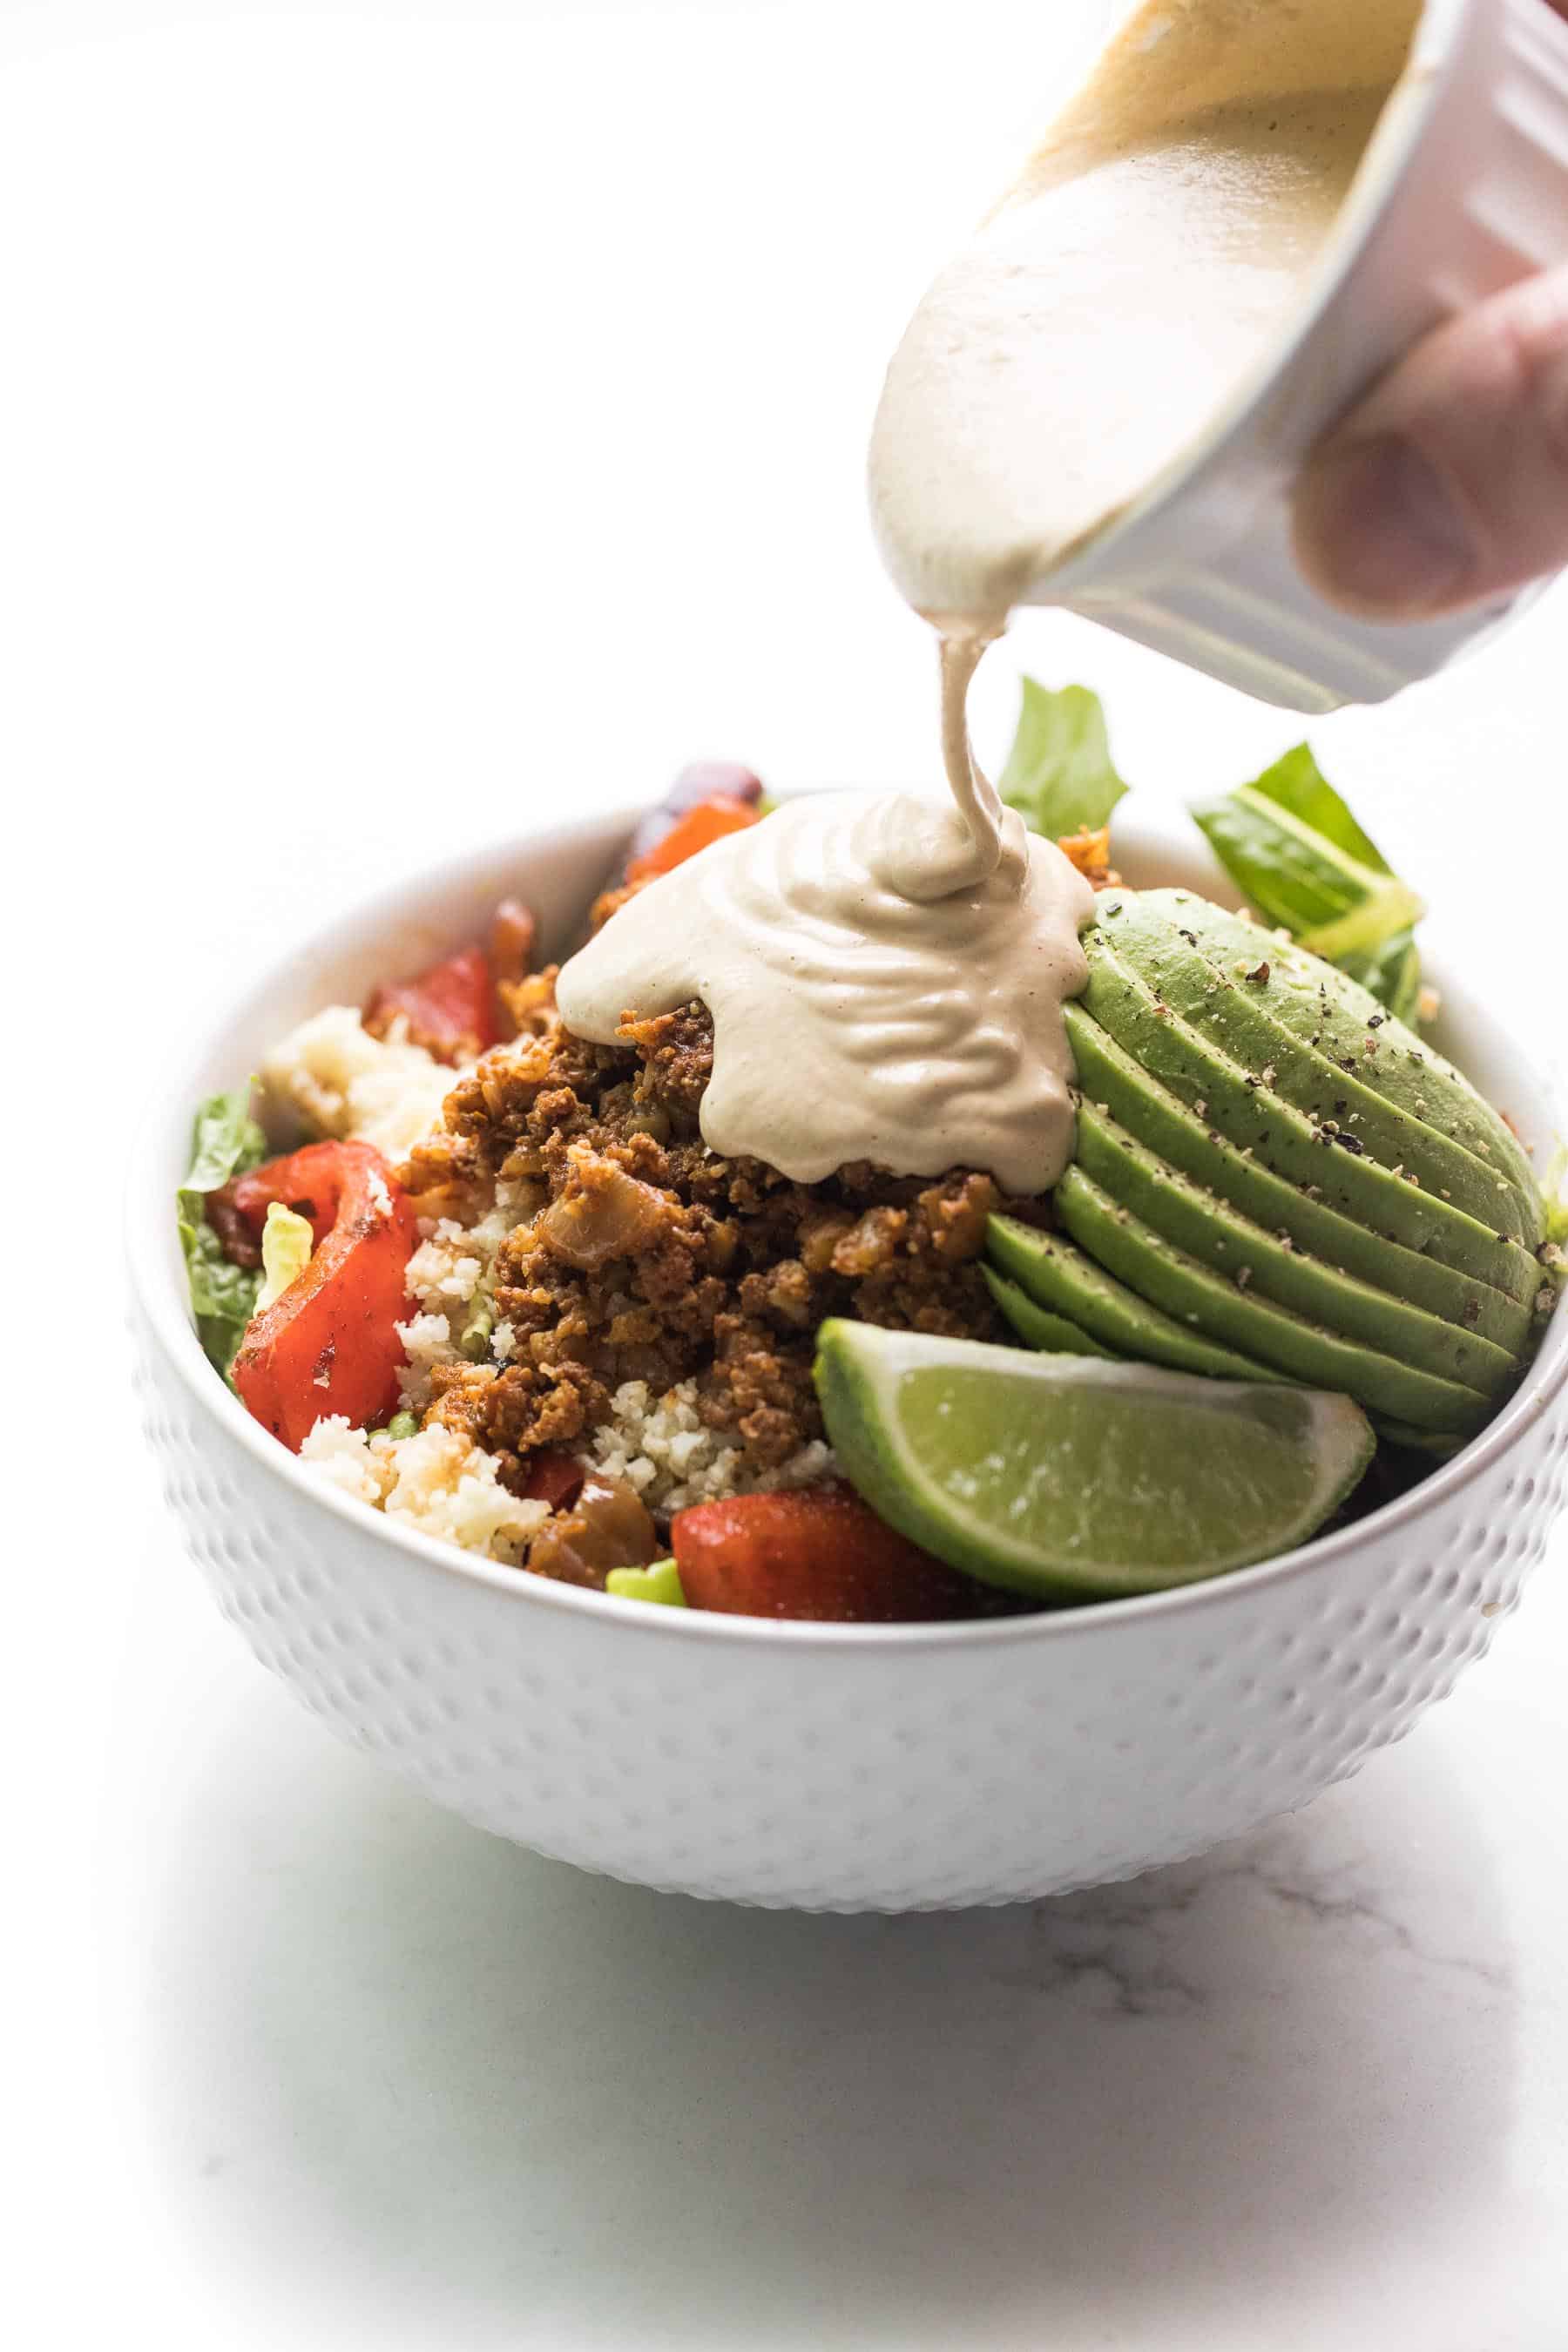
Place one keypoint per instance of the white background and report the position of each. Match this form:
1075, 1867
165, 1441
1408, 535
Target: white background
414, 420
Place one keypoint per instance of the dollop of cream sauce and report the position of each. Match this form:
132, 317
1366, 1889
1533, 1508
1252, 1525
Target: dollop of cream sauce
886, 976
885, 985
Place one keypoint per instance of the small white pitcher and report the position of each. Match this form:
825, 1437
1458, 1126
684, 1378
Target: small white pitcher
1463, 191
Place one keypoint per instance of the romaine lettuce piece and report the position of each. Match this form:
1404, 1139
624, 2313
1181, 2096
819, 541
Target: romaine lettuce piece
224, 1142
1292, 847
1393, 974
1059, 775
1555, 1190
223, 1296
286, 1241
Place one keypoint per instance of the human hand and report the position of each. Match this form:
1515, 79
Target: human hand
1449, 483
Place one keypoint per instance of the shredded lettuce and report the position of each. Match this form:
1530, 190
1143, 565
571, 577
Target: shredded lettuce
1555, 1192
1059, 774
1393, 974
1292, 847
286, 1241
660, 1583
224, 1142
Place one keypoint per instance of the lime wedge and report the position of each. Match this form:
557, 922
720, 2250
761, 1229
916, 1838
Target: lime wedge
1074, 1479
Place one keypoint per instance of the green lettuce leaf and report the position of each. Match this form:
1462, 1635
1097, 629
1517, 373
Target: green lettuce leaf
223, 1296
661, 1583
224, 1142
1393, 974
286, 1242
1059, 774
1555, 1192
1298, 786
1294, 850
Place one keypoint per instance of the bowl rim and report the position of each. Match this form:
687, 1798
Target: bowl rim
165, 1311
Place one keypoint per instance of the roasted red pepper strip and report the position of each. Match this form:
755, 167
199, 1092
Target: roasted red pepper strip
709, 821
822, 1554
513, 939
554, 1478
450, 1009
330, 1344
705, 780
309, 1181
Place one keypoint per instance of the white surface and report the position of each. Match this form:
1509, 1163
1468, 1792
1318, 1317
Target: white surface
290, 466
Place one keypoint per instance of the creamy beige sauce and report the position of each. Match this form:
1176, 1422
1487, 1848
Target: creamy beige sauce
887, 977
883, 988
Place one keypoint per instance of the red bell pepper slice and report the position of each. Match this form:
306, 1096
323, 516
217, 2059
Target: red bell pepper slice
513, 939
709, 821
330, 1344
309, 1181
554, 1478
450, 1009
822, 1554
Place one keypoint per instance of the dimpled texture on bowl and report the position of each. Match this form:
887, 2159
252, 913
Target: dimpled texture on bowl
859, 1772
822, 1768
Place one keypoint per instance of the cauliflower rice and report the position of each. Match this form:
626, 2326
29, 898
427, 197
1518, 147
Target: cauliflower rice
344, 1082
434, 1481
356, 1087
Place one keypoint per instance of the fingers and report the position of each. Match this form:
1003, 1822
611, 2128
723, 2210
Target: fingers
1449, 484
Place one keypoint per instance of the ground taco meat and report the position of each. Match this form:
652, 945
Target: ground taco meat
644, 1257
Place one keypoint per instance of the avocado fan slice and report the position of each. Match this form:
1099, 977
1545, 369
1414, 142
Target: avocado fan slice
1053, 1334
1069, 1284
1243, 1112
1333, 1014
1272, 1334
1215, 1234
1231, 1004
1122, 1088
1417, 1440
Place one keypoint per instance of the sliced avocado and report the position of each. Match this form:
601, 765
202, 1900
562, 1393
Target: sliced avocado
1215, 1234
1326, 1008
1238, 1107
1068, 1283
1417, 1440
1036, 1328
1270, 1333
1226, 983
1111, 1078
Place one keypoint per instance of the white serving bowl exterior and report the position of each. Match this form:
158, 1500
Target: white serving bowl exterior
841, 1768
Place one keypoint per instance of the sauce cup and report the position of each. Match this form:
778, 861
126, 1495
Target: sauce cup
1463, 191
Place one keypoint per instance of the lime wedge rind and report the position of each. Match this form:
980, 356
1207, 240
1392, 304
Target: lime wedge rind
1069, 1478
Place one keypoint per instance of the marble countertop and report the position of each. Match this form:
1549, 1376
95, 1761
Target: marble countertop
396, 2080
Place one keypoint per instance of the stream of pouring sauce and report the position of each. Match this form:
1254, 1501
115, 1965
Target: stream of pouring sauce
886, 976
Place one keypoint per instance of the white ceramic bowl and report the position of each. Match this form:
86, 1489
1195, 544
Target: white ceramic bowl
838, 1767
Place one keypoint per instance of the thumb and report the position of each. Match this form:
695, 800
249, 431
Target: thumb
1449, 484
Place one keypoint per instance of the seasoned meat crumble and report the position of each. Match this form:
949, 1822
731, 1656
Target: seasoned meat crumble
643, 1255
